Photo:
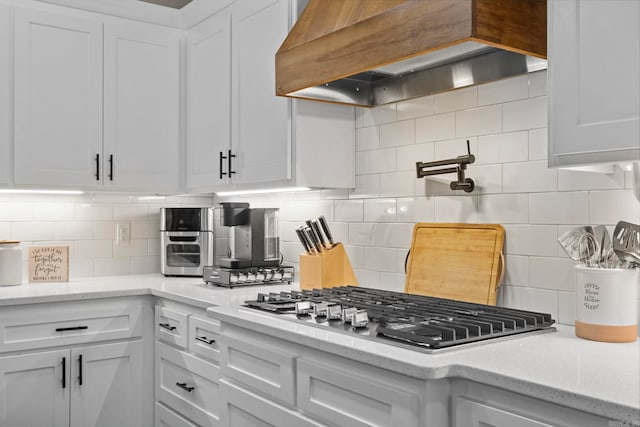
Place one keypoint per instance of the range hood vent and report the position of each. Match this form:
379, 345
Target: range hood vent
375, 52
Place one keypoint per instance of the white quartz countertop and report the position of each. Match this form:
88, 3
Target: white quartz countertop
600, 378
595, 377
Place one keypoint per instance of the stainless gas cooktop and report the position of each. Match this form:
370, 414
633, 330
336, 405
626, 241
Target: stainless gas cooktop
418, 322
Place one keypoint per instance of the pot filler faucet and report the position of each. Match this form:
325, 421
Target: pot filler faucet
462, 183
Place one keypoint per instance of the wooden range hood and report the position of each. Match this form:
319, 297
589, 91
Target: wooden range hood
375, 52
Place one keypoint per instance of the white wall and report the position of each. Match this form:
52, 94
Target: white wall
87, 224
505, 123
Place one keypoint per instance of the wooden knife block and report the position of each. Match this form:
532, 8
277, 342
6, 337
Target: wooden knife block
328, 269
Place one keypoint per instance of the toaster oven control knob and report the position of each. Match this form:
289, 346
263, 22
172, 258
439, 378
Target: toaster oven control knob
303, 308
347, 314
359, 319
241, 278
277, 275
251, 277
260, 276
335, 312
321, 309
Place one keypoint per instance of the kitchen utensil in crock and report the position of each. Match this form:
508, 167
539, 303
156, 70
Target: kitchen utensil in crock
606, 257
571, 243
626, 242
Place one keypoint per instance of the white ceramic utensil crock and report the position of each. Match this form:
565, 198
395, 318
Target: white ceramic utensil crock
607, 304
10, 263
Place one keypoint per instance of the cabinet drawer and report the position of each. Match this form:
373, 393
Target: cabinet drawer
246, 409
203, 337
61, 324
188, 385
165, 417
267, 369
474, 414
349, 399
171, 326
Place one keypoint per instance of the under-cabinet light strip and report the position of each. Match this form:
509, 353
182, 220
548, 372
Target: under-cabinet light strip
17, 191
263, 191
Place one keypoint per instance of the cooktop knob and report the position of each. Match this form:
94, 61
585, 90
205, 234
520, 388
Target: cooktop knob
360, 319
347, 314
335, 312
303, 308
321, 309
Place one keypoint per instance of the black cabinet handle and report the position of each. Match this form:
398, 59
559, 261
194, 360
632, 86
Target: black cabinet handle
111, 167
80, 370
97, 167
167, 326
205, 340
72, 328
231, 171
64, 372
184, 387
222, 173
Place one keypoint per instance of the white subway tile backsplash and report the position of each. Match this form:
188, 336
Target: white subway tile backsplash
517, 270
367, 138
53, 212
414, 108
526, 114
16, 211
153, 247
503, 208
479, 121
454, 147
32, 231
135, 247
305, 209
80, 268
111, 266
397, 184
393, 282
542, 300
144, 265
436, 128
348, 210
528, 177
361, 234
94, 212
144, 229
85, 249
408, 155
5, 231
538, 148
553, 273
415, 209
456, 100
369, 279
379, 161
340, 231
566, 308
503, 148
504, 90
73, 230
537, 240
487, 178
609, 207
559, 208
132, 211
359, 163
366, 186
397, 133
356, 256
537, 84
392, 235
456, 209
380, 259
579, 180
105, 230
380, 210
378, 115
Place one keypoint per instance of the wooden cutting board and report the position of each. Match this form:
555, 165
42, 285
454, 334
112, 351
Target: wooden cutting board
463, 262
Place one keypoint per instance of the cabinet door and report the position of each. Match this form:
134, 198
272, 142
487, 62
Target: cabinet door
594, 81
474, 414
106, 385
142, 113
209, 102
6, 40
261, 136
34, 389
58, 98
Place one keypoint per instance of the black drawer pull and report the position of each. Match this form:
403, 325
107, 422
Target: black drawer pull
80, 370
72, 328
205, 340
184, 387
64, 372
167, 326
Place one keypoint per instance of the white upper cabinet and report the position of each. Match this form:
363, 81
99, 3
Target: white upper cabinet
261, 137
209, 101
6, 63
247, 137
58, 98
141, 106
594, 81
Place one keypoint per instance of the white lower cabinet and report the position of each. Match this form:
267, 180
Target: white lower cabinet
165, 417
98, 385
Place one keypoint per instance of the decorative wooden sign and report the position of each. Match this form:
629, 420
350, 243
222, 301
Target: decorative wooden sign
49, 264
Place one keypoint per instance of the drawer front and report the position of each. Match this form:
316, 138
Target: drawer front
349, 399
263, 368
246, 409
71, 323
203, 337
165, 417
474, 414
188, 385
171, 326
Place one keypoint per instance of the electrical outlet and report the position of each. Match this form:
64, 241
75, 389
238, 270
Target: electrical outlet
123, 234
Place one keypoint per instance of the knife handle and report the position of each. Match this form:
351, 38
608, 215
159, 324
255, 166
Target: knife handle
308, 232
303, 240
325, 227
316, 230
